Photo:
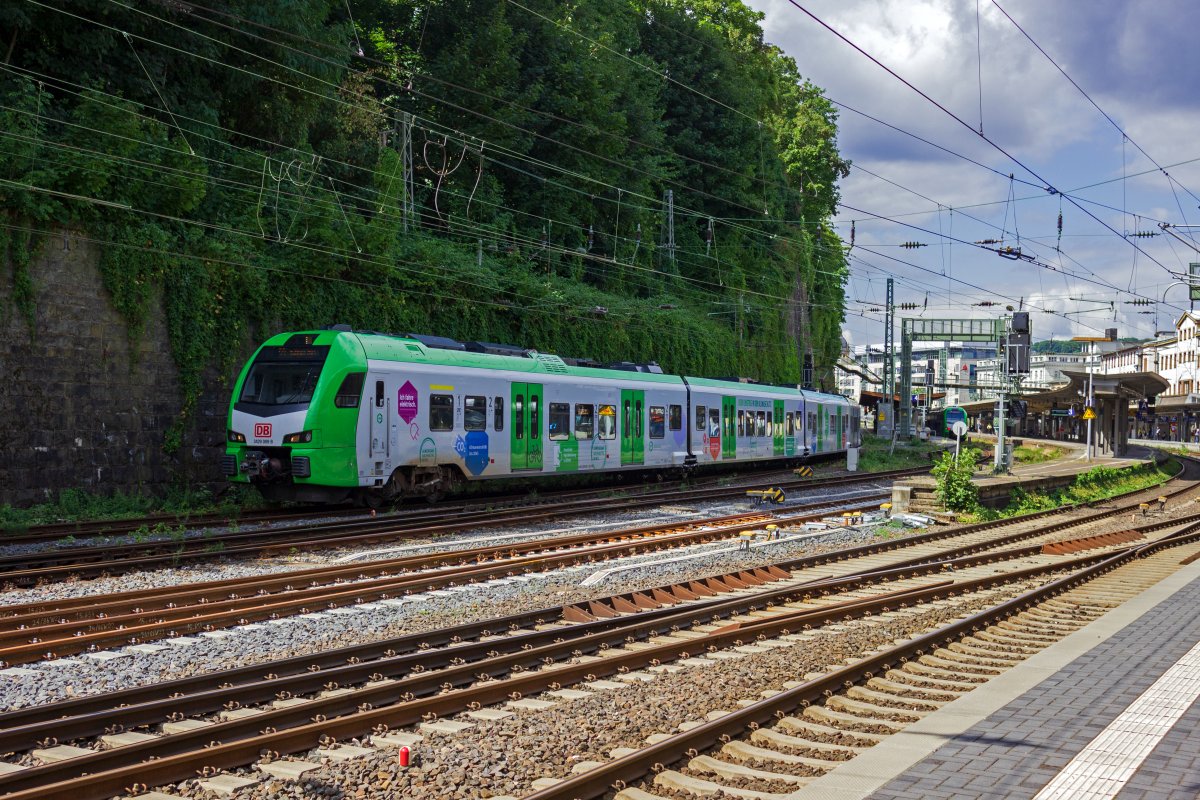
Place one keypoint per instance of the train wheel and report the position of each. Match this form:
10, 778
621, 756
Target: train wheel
373, 500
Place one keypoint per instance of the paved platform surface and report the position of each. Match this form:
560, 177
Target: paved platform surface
1016, 734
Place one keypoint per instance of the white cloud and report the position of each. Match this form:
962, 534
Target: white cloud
1134, 60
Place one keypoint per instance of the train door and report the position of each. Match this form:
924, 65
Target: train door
777, 428
526, 435
633, 426
729, 433
380, 423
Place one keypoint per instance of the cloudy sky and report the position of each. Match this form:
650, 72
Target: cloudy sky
1137, 61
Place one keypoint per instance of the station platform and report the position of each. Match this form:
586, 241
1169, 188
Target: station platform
1089, 718
919, 494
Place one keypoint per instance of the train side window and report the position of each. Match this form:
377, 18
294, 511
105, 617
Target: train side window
585, 420
675, 418
474, 413
657, 422
350, 390
714, 423
700, 418
741, 423
441, 412
626, 423
560, 421
762, 423
499, 413
379, 394
608, 423
535, 419
790, 424
638, 421
519, 416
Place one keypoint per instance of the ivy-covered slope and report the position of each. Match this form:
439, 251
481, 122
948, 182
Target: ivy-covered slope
249, 159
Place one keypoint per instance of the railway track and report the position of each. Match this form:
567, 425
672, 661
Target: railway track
34, 631
57, 531
44, 630
487, 670
107, 559
782, 743
47, 630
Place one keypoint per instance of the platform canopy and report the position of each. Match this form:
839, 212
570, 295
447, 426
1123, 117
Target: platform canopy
1130, 386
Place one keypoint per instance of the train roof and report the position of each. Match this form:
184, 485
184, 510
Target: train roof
441, 351
389, 347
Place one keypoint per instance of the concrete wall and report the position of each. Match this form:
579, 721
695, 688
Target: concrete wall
82, 407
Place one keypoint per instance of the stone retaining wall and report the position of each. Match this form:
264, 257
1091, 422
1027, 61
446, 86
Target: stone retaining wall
83, 407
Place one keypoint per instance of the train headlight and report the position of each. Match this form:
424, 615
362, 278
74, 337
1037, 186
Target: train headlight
234, 436
298, 438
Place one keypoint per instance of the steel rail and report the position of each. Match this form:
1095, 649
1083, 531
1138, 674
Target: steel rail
29, 567
80, 635
238, 742
235, 611
15, 726
620, 772
210, 591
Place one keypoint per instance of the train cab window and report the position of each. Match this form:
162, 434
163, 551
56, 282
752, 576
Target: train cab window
350, 390
535, 418
638, 418
700, 418
714, 423
475, 413
498, 413
657, 422
675, 417
741, 423
790, 424
608, 423
519, 416
441, 412
560, 422
626, 423
762, 423
585, 420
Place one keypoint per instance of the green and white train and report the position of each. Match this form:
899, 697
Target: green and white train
336, 415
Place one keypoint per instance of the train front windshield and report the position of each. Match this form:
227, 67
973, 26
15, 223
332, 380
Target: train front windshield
284, 376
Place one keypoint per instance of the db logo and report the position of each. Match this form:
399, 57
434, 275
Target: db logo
262, 430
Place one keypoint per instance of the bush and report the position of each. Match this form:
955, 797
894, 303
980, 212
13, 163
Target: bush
955, 489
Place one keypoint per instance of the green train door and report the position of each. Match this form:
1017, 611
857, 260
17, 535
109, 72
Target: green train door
778, 428
526, 429
729, 432
633, 427
822, 424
